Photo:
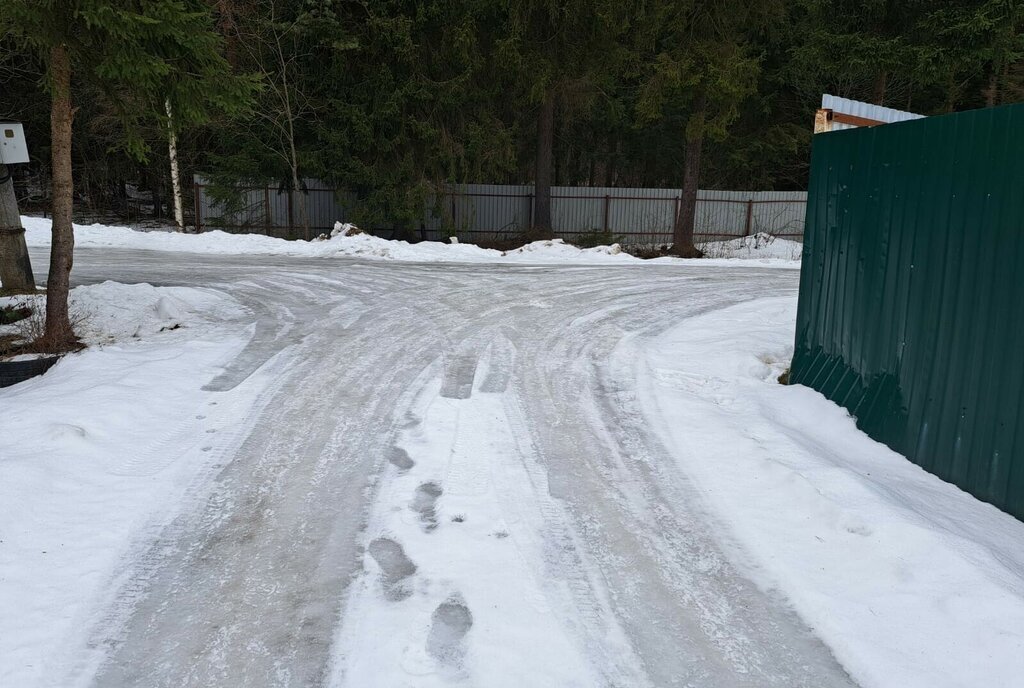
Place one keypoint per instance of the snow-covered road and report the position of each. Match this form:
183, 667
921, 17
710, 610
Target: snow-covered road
449, 480
296, 470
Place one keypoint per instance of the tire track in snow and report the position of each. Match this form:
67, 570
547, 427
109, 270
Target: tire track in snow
249, 586
567, 503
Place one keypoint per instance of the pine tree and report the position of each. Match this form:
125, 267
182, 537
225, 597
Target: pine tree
975, 48
141, 55
560, 54
701, 69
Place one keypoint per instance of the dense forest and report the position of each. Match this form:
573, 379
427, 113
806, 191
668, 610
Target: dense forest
391, 98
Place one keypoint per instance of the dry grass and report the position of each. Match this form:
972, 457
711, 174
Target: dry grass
28, 336
507, 242
594, 239
648, 251
19, 292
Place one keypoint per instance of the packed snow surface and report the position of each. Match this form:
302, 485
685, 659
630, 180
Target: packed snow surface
100, 452
289, 472
342, 243
912, 582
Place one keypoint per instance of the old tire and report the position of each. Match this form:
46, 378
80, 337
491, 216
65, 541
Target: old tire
13, 372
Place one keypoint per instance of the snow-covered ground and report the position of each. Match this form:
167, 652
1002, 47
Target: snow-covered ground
101, 452
911, 582
760, 247
764, 249
360, 473
110, 312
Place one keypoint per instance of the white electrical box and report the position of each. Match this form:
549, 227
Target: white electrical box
13, 148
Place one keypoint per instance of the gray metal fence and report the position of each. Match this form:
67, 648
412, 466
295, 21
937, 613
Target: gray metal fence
477, 212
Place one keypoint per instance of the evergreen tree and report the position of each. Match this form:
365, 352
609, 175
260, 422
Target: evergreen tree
140, 55
701, 69
392, 100
413, 107
975, 50
560, 53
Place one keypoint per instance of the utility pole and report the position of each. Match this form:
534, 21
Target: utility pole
15, 267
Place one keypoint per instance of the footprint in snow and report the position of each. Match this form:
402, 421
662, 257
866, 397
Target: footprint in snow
425, 504
400, 458
395, 568
449, 625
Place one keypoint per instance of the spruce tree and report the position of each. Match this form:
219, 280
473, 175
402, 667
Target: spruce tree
701, 69
141, 55
560, 55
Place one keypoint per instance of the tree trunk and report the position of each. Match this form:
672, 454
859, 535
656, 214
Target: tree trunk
172, 153
542, 174
879, 88
155, 178
952, 92
991, 89
15, 267
682, 235
297, 188
59, 335
606, 165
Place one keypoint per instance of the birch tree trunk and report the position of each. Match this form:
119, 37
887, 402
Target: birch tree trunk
58, 335
15, 267
172, 153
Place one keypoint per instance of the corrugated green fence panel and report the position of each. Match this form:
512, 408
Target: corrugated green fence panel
911, 309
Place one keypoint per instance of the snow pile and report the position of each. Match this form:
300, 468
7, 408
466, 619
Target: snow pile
97, 456
344, 229
557, 248
115, 312
756, 246
37, 233
911, 582
345, 240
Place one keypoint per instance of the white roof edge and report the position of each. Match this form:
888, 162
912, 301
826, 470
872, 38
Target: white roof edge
866, 110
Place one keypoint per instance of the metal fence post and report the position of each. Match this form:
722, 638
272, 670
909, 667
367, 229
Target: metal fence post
750, 217
607, 202
197, 204
291, 216
455, 224
266, 208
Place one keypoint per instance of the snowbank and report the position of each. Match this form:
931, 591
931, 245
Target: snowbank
758, 246
342, 243
97, 456
113, 312
911, 582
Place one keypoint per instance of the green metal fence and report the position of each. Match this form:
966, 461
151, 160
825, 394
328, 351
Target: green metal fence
911, 310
